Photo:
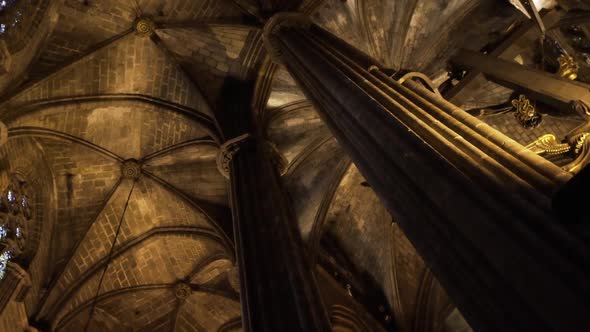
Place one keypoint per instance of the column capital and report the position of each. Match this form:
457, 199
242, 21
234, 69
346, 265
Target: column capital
227, 152
277, 22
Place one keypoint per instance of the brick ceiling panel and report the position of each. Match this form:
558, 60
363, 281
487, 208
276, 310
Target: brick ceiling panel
213, 311
159, 260
84, 179
192, 169
294, 127
131, 130
187, 10
208, 54
130, 65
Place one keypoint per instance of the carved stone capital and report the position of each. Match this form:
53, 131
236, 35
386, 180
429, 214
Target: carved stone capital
227, 152
276, 23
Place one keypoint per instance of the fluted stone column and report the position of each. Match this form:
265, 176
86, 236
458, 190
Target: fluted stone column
278, 289
476, 204
279, 292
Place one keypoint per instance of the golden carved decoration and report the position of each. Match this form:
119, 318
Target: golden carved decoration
547, 144
227, 152
526, 114
578, 147
581, 149
568, 67
579, 142
145, 27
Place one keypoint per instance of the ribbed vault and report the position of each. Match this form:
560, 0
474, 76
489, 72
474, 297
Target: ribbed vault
115, 111
122, 124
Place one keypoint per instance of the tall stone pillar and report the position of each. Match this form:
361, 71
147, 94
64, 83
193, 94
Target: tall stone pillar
278, 289
476, 204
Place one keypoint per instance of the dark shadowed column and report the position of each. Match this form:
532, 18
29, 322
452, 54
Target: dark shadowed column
278, 288
476, 204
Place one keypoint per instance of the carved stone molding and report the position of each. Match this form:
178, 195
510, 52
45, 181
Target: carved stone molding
276, 23
233, 277
580, 107
5, 58
14, 286
276, 157
227, 152
3, 133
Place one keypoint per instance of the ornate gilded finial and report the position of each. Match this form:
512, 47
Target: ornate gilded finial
131, 169
145, 27
526, 114
568, 67
227, 152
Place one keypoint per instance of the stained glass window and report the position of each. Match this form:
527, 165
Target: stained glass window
9, 18
5, 257
15, 215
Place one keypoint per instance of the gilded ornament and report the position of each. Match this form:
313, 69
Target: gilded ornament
547, 144
581, 148
526, 114
568, 67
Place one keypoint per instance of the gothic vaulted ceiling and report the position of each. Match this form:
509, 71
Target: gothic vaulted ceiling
114, 122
